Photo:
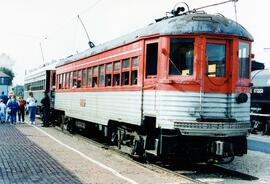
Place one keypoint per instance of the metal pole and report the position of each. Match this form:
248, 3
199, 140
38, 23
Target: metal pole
42, 53
91, 44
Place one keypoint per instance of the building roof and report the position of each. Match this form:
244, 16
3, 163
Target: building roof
2, 74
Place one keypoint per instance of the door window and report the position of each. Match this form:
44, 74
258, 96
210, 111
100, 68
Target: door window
216, 59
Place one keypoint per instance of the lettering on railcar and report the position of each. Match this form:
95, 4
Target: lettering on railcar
82, 102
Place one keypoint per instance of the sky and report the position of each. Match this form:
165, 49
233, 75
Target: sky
29, 26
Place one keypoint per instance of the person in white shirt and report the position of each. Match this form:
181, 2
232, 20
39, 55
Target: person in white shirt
31, 104
2, 111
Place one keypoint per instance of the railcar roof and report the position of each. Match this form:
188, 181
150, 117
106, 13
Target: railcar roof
184, 24
37, 71
261, 78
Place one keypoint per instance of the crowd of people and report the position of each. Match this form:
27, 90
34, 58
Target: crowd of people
10, 107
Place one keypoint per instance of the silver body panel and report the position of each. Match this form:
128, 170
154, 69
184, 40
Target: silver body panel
172, 109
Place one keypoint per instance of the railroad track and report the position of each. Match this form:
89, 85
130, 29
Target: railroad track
195, 173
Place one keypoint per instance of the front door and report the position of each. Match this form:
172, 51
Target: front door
216, 94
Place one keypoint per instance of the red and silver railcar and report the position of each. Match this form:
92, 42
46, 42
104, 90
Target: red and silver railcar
178, 87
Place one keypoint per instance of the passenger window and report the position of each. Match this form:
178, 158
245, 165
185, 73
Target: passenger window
89, 77
181, 57
151, 59
95, 76
94, 82
84, 77
134, 77
116, 66
108, 78
64, 77
108, 67
75, 79
125, 63
60, 81
66, 80
134, 61
116, 79
125, 78
243, 60
101, 75
216, 59
70, 79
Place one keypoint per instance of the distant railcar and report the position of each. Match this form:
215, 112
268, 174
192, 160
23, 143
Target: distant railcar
176, 88
40, 80
260, 101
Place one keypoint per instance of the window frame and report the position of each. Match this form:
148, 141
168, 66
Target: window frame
249, 70
220, 42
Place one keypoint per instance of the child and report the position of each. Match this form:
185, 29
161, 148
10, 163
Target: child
2, 111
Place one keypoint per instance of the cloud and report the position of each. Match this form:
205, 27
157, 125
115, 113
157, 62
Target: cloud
6, 61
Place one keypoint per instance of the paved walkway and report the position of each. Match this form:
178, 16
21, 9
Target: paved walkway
22, 161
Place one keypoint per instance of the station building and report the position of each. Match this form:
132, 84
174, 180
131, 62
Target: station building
5, 82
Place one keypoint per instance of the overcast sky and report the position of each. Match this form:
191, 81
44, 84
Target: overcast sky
53, 24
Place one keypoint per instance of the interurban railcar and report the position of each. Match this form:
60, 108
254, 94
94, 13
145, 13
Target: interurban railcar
40, 80
176, 88
260, 101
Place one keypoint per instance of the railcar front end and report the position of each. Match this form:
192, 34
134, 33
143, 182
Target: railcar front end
177, 88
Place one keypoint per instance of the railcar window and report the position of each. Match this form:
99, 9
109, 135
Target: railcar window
243, 60
84, 77
60, 81
151, 59
89, 77
125, 63
74, 79
181, 57
79, 74
108, 80
108, 67
95, 71
216, 59
66, 80
134, 61
134, 78
70, 79
94, 82
101, 75
125, 78
116, 66
116, 79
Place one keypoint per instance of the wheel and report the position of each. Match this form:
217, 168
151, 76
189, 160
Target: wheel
266, 128
226, 160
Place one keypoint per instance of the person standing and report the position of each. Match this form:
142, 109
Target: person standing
21, 113
31, 104
13, 105
4, 98
2, 111
45, 101
8, 110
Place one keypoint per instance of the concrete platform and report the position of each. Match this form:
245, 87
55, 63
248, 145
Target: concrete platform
35, 154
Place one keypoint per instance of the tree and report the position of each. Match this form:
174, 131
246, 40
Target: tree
8, 72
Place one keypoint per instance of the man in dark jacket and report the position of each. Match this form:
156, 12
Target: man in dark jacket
45, 101
4, 97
